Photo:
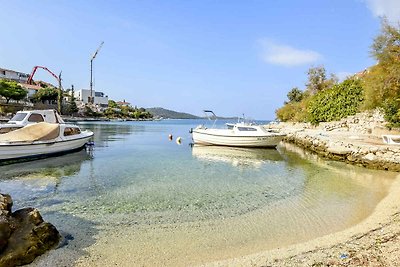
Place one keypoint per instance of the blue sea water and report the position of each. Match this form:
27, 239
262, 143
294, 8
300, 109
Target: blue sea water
138, 181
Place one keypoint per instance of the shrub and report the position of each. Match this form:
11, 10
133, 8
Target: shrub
391, 108
340, 101
293, 111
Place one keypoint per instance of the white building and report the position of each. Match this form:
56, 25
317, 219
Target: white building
13, 75
83, 95
31, 88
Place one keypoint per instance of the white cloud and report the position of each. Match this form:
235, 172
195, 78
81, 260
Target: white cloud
388, 8
286, 55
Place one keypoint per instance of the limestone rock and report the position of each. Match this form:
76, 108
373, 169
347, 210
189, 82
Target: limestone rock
370, 157
23, 234
338, 150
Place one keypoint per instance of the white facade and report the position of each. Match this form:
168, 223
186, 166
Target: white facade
31, 88
83, 95
13, 75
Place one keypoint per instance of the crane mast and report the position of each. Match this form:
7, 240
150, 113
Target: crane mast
91, 99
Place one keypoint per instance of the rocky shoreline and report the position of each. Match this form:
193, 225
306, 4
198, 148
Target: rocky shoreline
355, 140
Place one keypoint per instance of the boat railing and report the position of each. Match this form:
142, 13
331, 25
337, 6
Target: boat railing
209, 114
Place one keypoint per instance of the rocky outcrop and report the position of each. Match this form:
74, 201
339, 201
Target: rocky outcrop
363, 123
355, 139
23, 234
362, 150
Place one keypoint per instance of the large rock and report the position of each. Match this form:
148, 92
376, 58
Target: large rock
23, 234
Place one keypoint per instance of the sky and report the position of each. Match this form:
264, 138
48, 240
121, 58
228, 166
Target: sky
233, 57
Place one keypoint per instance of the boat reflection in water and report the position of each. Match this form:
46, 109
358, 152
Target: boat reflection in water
237, 156
35, 183
70, 161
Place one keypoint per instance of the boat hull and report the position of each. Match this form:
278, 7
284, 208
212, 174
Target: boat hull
40, 149
209, 138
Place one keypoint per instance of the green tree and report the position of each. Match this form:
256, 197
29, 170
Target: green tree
12, 90
382, 81
71, 106
295, 95
318, 81
112, 104
91, 113
47, 93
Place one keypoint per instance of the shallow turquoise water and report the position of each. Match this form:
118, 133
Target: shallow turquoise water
136, 177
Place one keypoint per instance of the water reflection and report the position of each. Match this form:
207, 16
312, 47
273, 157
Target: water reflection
35, 180
236, 156
109, 132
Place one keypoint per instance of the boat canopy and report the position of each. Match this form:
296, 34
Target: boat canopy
41, 131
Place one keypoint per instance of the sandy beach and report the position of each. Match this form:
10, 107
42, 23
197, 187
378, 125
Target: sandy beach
373, 242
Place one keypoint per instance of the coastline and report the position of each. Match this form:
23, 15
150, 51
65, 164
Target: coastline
371, 242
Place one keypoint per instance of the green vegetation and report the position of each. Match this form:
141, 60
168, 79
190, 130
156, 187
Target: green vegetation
377, 87
71, 108
382, 81
340, 101
170, 114
11, 90
297, 108
46, 93
114, 111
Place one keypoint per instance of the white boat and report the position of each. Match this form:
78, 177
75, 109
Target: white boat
24, 118
241, 134
391, 139
42, 139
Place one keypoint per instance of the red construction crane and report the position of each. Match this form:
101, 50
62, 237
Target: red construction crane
30, 78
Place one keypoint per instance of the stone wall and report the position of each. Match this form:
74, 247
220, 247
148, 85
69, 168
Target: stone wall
361, 152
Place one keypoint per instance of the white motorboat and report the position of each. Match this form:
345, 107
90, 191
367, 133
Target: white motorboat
42, 139
24, 118
241, 134
391, 139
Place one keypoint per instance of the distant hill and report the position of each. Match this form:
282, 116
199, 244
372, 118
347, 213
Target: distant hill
170, 114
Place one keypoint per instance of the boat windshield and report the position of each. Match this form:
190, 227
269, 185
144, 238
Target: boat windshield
248, 129
19, 116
